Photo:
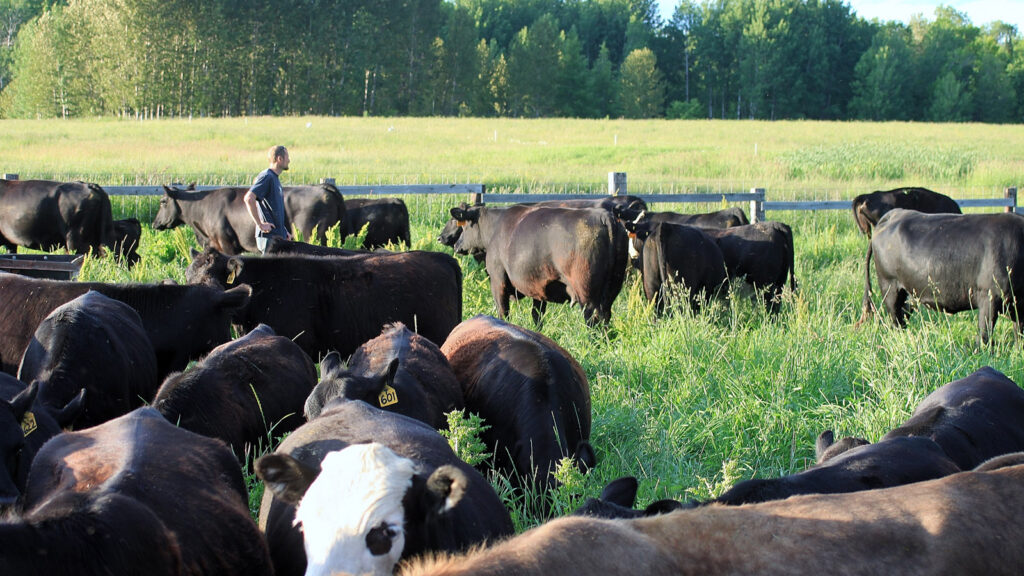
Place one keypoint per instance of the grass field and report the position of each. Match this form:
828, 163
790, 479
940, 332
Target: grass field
687, 404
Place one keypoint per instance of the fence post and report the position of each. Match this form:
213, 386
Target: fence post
327, 181
10, 176
617, 183
1011, 193
757, 205
476, 198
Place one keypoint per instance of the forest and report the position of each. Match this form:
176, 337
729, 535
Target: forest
732, 59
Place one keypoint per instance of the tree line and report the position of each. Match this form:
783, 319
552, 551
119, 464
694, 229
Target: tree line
756, 59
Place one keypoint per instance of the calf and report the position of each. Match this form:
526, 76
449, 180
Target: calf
182, 322
962, 524
369, 487
135, 495
25, 426
399, 371
868, 209
950, 262
127, 236
670, 254
45, 215
386, 221
531, 392
548, 254
96, 343
329, 304
244, 392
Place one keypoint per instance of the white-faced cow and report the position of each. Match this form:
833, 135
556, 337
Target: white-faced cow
369, 487
338, 303
244, 392
964, 524
399, 371
672, 255
220, 220
45, 215
96, 343
950, 262
868, 209
548, 255
386, 221
182, 322
135, 495
529, 390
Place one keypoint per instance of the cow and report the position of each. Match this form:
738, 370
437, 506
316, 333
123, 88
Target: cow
386, 221
399, 371
135, 495
966, 523
672, 254
868, 209
245, 392
127, 236
329, 304
96, 343
972, 419
278, 245
950, 262
369, 487
46, 215
182, 322
826, 447
617, 500
548, 255
220, 220
25, 426
531, 393
889, 462
726, 218
762, 255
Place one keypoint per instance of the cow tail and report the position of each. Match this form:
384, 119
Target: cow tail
791, 257
105, 235
339, 214
869, 306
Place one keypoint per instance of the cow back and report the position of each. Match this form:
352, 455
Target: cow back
386, 219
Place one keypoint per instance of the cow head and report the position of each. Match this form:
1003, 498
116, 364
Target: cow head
639, 228
356, 512
337, 382
213, 268
470, 240
169, 214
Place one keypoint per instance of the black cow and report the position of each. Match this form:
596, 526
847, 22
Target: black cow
220, 220
338, 303
868, 209
24, 427
674, 254
278, 245
386, 221
399, 371
182, 322
96, 343
826, 448
245, 392
725, 218
617, 500
127, 236
529, 390
951, 262
548, 254
762, 255
135, 495
889, 462
404, 493
972, 419
45, 215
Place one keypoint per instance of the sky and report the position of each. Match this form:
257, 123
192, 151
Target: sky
980, 12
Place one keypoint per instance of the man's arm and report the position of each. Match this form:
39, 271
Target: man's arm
252, 206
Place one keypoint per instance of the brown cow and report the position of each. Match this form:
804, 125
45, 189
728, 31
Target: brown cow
964, 524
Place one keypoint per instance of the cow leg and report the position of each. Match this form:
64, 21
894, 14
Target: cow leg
988, 308
895, 303
539, 307
501, 292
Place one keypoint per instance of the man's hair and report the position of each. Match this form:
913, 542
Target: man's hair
275, 152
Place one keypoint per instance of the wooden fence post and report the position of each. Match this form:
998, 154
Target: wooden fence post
1011, 193
757, 205
10, 177
617, 183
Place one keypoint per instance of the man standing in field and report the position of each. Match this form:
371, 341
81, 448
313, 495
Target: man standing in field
265, 199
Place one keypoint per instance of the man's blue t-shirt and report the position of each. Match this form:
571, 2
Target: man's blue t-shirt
267, 190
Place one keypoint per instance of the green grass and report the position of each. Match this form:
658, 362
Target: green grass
687, 403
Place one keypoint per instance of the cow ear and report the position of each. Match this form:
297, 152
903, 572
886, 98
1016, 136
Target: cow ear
23, 401
286, 477
331, 364
168, 189
585, 456
236, 298
621, 491
459, 213
825, 439
192, 186
664, 507
66, 415
234, 266
389, 377
445, 488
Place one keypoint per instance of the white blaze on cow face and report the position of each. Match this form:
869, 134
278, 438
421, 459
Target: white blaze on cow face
352, 516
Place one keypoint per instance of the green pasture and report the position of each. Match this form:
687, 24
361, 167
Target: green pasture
688, 404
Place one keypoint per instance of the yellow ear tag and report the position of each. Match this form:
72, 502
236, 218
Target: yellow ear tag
632, 234
28, 423
231, 277
461, 223
388, 397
